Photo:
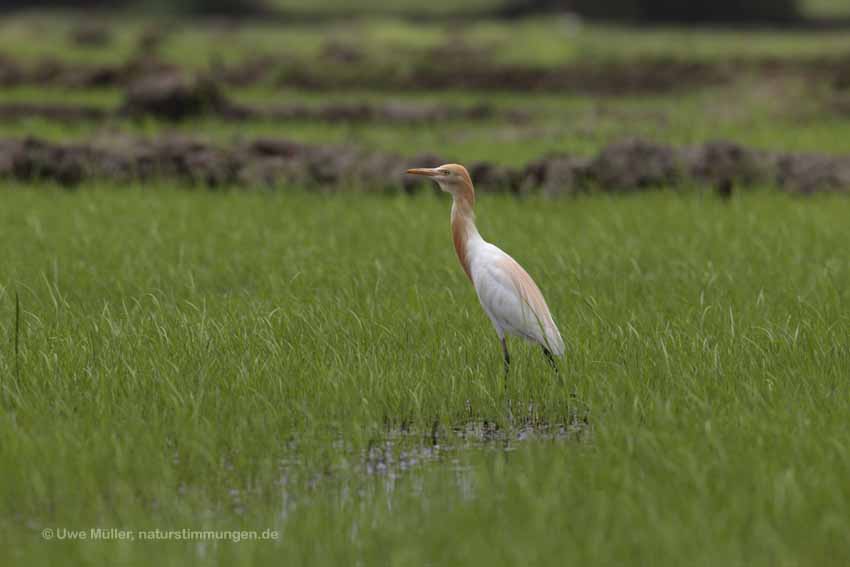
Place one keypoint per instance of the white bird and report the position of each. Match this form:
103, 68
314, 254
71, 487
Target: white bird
507, 293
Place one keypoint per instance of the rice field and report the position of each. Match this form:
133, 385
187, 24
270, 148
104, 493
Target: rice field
291, 368
315, 370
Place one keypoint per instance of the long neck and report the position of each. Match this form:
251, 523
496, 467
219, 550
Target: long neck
463, 227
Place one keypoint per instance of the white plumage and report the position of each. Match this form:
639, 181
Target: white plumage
510, 297
507, 293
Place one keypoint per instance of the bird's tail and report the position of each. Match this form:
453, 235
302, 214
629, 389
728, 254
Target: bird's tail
554, 342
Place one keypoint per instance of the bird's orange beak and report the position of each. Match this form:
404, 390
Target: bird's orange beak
423, 171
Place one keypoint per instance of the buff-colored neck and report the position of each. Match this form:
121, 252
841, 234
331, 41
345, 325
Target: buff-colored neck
463, 225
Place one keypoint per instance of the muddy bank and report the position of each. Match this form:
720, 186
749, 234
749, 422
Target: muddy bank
637, 164
389, 113
67, 74
175, 96
340, 66
459, 65
638, 77
630, 165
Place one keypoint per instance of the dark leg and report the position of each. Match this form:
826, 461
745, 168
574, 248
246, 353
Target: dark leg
551, 360
507, 371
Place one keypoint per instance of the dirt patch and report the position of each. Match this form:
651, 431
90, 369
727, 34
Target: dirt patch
341, 65
725, 162
393, 112
635, 164
343, 52
645, 76
174, 98
54, 112
32, 160
812, 173
92, 35
57, 73
640, 164
630, 165
152, 38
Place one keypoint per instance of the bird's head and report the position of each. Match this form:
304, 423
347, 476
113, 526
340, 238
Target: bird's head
452, 178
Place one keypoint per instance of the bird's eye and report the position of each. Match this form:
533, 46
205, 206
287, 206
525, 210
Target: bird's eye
444, 172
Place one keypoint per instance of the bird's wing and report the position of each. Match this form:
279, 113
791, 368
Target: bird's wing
511, 297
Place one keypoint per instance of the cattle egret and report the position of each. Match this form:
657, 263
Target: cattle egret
507, 293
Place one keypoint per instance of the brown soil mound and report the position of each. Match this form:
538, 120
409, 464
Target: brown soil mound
91, 35
341, 66
174, 99
625, 166
56, 112
174, 96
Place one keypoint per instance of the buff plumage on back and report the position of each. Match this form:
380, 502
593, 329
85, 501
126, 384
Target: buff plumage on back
532, 298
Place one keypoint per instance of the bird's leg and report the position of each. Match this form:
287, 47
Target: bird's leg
507, 359
507, 371
551, 359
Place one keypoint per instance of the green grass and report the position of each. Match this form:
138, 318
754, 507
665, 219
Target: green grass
827, 8
228, 360
822, 8
394, 43
107, 98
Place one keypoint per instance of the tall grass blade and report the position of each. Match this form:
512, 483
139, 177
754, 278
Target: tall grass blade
17, 335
